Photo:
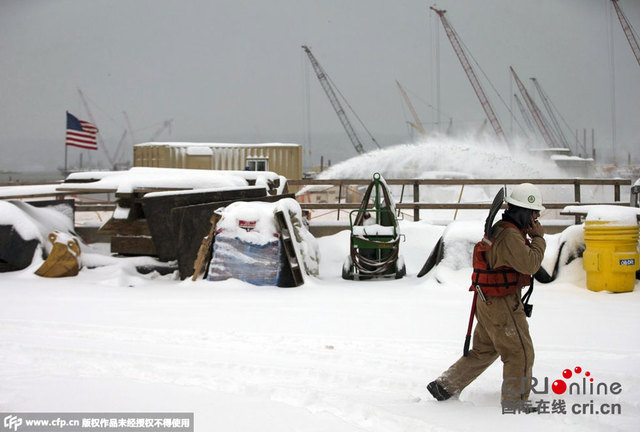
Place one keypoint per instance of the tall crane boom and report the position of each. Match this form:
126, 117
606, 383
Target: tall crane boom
324, 81
525, 114
493, 119
535, 112
549, 108
416, 124
100, 140
626, 27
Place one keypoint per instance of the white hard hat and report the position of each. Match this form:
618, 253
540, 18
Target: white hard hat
527, 196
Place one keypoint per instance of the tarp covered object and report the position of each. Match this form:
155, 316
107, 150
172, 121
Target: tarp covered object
248, 244
253, 263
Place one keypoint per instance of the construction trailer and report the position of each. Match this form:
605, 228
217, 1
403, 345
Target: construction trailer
283, 159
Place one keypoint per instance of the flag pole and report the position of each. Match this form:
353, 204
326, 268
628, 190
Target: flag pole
65, 154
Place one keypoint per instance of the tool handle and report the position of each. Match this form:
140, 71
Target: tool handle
467, 341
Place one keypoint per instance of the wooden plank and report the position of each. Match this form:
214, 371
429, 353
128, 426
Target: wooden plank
138, 227
564, 181
289, 248
204, 253
438, 206
139, 192
70, 190
157, 210
130, 245
95, 207
416, 198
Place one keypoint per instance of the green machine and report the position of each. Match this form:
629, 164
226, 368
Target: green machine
375, 236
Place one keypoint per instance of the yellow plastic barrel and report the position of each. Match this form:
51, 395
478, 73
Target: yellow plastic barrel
611, 256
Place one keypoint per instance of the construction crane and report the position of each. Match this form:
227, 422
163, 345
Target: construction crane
535, 112
475, 83
165, 125
626, 27
112, 162
549, 108
525, 113
129, 127
326, 85
416, 124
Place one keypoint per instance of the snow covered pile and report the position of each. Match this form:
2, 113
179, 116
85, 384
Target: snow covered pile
33, 223
458, 240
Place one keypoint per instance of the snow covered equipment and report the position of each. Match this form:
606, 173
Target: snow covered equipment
375, 236
16, 252
264, 244
64, 258
498, 200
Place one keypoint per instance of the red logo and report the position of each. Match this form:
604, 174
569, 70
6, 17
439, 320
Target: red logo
559, 386
247, 225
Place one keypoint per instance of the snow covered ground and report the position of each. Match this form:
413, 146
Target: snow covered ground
332, 355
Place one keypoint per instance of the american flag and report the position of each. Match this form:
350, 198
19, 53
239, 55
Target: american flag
81, 133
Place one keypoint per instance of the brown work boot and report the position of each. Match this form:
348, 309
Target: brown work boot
437, 391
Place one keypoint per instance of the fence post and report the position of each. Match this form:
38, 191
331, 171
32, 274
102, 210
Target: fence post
616, 192
339, 195
577, 199
416, 199
635, 190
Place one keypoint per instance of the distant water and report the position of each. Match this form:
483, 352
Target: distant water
30, 177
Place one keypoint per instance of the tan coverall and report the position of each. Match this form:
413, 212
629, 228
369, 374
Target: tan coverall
502, 328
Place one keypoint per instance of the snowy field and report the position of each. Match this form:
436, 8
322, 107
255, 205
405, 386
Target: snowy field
332, 355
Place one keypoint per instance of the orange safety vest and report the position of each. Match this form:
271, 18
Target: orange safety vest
500, 281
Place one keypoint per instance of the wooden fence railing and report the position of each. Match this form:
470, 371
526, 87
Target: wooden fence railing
416, 205
414, 185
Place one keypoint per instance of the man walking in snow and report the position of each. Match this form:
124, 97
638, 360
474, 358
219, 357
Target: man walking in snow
515, 252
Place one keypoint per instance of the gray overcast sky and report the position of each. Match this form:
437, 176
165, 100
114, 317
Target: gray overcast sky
233, 71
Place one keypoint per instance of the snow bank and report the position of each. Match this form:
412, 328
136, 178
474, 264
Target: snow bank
334, 355
459, 238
